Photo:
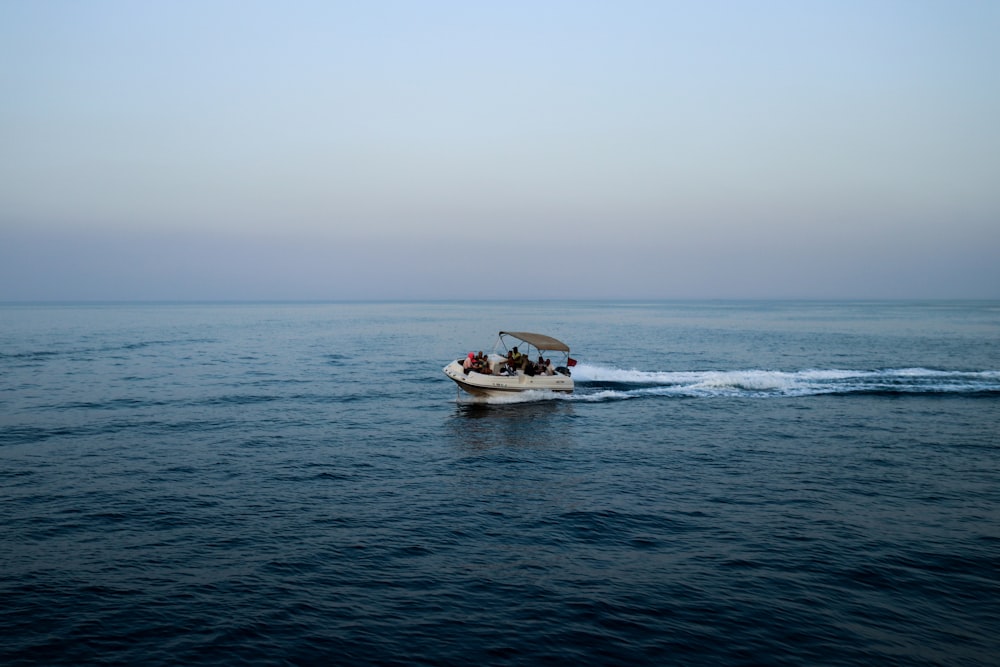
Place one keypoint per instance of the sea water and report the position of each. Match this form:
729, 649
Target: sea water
731, 483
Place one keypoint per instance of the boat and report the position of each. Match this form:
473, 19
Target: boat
502, 372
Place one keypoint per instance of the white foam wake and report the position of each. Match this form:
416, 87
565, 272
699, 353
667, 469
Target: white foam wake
592, 379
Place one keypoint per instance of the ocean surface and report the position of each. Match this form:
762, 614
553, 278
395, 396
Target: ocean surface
739, 483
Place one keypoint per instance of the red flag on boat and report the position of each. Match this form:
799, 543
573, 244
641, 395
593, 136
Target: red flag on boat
570, 361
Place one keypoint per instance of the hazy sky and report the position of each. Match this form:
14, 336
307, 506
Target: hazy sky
421, 149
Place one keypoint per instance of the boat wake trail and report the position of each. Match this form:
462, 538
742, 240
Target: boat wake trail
601, 383
620, 383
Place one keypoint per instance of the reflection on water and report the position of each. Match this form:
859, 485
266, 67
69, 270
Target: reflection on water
483, 425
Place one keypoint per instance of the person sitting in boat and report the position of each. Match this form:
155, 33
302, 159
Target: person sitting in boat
482, 364
509, 368
547, 366
519, 359
469, 363
527, 363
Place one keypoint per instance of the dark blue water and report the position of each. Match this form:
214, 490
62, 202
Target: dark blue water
732, 483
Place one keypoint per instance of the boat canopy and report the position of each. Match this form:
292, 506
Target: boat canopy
540, 341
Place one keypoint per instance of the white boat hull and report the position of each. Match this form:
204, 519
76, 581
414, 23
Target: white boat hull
479, 384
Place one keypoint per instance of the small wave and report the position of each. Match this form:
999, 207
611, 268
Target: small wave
131, 346
236, 399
